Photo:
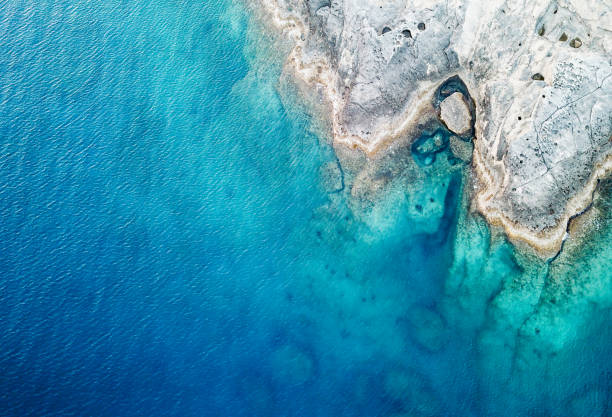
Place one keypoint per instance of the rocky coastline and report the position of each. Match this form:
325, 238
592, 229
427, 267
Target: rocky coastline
528, 86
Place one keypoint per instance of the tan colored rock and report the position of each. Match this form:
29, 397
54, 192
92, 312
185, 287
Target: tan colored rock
455, 114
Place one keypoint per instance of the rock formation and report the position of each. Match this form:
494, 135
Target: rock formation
539, 74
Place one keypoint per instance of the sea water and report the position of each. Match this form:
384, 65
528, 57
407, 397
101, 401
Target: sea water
176, 238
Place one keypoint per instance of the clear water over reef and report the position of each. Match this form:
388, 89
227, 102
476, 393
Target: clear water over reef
175, 239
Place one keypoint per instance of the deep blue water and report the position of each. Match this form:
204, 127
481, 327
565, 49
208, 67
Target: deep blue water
170, 245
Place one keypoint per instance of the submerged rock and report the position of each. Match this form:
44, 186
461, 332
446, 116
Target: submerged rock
427, 328
331, 177
425, 148
292, 365
412, 392
455, 113
461, 149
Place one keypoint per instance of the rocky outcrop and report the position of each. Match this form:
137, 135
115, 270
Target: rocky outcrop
539, 75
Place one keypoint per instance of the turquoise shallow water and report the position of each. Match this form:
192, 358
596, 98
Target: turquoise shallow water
176, 240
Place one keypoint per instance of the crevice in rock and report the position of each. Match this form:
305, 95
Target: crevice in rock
575, 43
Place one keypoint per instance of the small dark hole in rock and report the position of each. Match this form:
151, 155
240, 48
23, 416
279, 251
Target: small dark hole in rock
537, 76
431, 200
575, 43
542, 30
563, 37
406, 33
543, 96
421, 26
555, 12
520, 44
520, 118
386, 29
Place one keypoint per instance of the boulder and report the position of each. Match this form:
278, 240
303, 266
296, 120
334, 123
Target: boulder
455, 114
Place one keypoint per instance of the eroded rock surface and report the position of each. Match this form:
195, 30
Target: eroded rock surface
539, 74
